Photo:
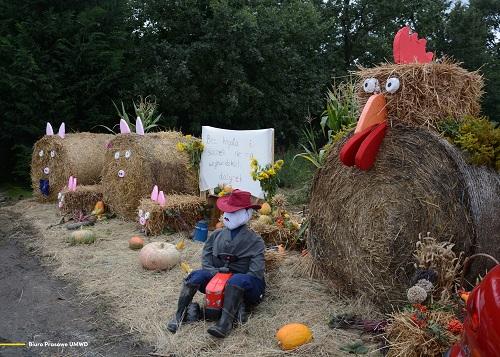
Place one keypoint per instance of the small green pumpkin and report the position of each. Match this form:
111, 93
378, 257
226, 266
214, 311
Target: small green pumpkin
81, 236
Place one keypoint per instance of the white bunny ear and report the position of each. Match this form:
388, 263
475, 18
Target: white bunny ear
124, 128
49, 130
62, 131
139, 128
161, 199
154, 193
70, 183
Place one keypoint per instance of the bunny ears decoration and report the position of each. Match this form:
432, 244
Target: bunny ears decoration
62, 130
72, 183
125, 129
158, 196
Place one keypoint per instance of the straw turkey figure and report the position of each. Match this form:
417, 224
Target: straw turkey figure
415, 90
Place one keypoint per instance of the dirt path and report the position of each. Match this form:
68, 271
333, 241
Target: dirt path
34, 307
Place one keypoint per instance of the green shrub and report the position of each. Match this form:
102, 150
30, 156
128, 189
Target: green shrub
478, 137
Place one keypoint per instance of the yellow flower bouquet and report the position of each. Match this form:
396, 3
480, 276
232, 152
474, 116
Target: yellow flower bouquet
194, 147
267, 176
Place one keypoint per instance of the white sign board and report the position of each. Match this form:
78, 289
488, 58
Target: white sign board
227, 154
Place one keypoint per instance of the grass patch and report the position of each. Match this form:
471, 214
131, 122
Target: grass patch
296, 177
15, 192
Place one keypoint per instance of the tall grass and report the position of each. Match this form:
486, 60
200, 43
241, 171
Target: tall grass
337, 120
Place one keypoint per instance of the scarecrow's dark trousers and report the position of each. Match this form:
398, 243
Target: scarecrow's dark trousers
254, 287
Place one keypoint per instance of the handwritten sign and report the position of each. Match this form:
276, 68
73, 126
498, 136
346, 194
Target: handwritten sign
227, 155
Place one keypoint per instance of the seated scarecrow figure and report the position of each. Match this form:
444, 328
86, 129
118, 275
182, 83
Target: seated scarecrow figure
245, 250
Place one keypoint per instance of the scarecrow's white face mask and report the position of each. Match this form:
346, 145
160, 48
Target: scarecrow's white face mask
236, 219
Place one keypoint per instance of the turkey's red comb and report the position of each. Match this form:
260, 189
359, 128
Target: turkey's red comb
407, 48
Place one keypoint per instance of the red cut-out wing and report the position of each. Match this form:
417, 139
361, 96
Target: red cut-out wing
407, 48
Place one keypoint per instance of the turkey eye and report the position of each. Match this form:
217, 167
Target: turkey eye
117, 155
392, 85
59, 195
146, 215
141, 212
40, 153
127, 154
371, 85
53, 153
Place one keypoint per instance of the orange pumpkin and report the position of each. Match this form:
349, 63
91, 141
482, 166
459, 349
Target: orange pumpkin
293, 335
135, 243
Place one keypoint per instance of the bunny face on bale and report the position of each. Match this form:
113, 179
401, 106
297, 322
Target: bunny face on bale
135, 162
57, 157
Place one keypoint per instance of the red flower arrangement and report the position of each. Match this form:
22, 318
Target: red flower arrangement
455, 326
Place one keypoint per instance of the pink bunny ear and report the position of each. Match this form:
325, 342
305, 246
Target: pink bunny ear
74, 184
62, 131
124, 128
70, 183
139, 128
154, 194
49, 130
161, 199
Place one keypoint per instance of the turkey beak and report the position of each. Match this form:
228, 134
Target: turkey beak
374, 112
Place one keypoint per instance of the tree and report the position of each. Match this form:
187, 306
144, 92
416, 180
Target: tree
59, 61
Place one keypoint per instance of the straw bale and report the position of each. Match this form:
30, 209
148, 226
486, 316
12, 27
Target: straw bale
428, 92
108, 273
365, 224
82, 200
154, 160
181, 212
80, 155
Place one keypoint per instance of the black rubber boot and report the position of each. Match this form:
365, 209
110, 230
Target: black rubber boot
242, 316
233, 298
185, 298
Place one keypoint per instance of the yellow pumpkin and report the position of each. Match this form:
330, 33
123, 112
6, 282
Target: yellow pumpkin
293, 335
265, 209
265, 219
82, 236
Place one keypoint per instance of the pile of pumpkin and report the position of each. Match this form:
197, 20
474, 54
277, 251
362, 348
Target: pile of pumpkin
223, 190
277, 215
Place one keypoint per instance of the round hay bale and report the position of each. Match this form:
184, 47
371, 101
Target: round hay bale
55, 159
364, 224
82, 200
144, 161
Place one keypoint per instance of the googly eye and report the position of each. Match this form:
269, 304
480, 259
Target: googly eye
371, 85
40, 153
117, 155
121, 173
59, 195
147, 215
141, 213
46, 171
128, 153
52, 153
392, 85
